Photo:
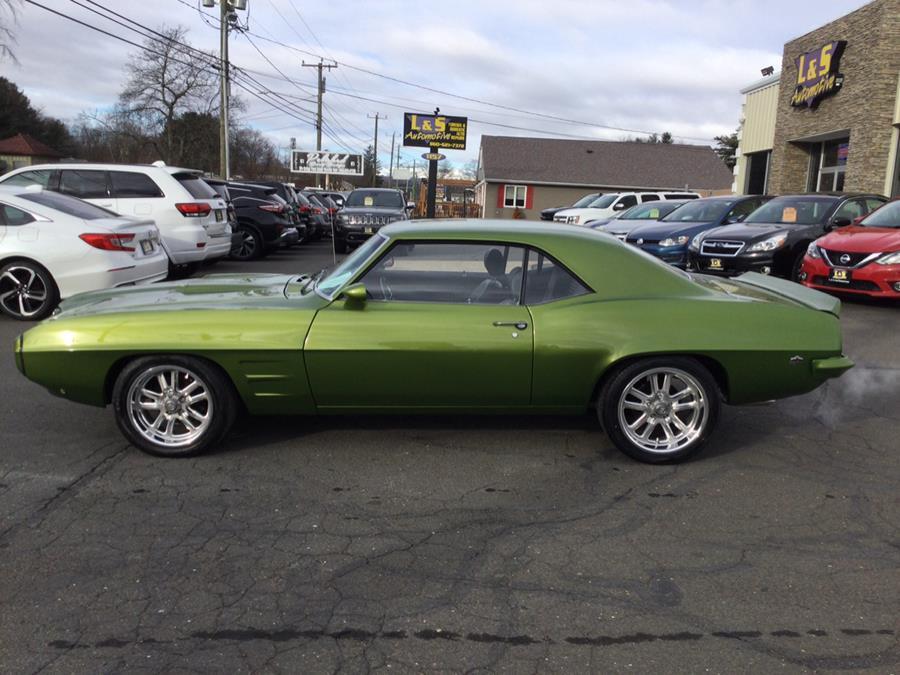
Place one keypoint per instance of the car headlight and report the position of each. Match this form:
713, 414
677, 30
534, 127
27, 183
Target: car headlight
696, 241
889, 259
812, 250
574, 219
674, 241
769, 244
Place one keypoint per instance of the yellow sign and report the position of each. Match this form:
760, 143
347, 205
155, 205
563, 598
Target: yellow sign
817, 74
434, 131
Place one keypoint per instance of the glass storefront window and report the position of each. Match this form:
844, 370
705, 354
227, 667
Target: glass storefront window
833, 165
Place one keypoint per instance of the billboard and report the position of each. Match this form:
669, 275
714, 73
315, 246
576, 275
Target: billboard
342, 163
434, 131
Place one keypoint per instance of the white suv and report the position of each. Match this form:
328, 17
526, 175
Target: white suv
611, 204
190, 215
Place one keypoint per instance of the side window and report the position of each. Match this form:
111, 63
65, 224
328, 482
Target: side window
546, 280
625, 202
480, 273
13, 217
514, 196
133, 185
872, 204
649, 198
850, 209
83, 184
38, 177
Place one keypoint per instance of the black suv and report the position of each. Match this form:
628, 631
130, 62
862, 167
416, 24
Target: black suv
774, 238
365, 211
263, 220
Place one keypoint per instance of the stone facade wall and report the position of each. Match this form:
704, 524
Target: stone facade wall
864, 105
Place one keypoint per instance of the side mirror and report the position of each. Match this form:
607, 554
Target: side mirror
731, 220
355, 294
410, 206
858, 220
838, 222
619, 206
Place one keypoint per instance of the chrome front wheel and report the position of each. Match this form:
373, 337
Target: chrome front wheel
174, 406
170, 406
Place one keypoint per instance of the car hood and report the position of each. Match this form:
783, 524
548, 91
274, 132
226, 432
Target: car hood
862, 239
658, 230
213, 292
583, 212
749, 232
620, 225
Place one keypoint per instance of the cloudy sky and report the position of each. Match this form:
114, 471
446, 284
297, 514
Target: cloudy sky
607, 66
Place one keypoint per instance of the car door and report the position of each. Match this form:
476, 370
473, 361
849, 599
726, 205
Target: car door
442, 327
92, 185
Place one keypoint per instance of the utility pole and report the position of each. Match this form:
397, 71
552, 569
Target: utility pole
391, 170
376, 117
227, 16
319, 67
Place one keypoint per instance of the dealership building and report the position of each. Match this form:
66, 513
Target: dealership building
830, 120
518, 177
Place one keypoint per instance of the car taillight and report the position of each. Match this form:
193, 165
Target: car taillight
194, 209
108, 241
272, 208
304, 208
316, 210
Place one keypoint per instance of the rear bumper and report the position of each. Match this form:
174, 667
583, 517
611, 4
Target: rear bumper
834, 366
219, 246
95, 277
872, 280
289, 237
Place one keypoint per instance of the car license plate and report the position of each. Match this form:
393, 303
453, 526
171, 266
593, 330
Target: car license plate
368, 230
219, 215
840, 276
715, 264
146, 246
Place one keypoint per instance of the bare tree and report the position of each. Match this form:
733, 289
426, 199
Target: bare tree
166, 80
8, 17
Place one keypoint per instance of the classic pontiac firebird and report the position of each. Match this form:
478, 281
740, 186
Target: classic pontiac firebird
464, 316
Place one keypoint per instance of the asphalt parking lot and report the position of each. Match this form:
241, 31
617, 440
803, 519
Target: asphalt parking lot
455, 544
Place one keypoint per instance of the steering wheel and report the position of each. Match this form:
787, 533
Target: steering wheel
483, 288
386, 292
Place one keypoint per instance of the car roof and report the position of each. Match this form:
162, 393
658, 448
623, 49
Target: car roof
373, 189
104, 166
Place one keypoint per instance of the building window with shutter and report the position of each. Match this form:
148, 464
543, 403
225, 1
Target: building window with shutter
514, 196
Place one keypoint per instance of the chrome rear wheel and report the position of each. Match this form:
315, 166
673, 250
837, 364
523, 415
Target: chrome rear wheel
662, 410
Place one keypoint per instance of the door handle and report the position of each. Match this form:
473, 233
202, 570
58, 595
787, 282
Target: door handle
521, 325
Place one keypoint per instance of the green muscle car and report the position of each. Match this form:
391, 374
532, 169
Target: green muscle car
464, 316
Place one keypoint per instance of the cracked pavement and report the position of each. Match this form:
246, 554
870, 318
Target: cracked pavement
488, 544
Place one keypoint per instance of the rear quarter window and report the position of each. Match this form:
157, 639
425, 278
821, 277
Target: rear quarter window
134, 185
196, 186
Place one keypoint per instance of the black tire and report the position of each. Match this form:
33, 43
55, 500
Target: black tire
340, 246
796, 266
135, 423
252, 246
699, 421
27, 291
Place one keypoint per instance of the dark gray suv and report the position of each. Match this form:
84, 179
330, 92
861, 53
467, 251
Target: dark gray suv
365, 211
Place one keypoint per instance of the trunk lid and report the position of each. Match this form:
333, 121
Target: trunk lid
146, 241
764, 287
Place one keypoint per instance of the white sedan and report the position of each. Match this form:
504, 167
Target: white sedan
53, 246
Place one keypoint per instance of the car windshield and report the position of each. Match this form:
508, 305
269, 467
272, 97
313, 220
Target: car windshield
602, 202
68, 205
650, 211
375, 199
584, 201
345, 271
887, 216
700, 211
793, 211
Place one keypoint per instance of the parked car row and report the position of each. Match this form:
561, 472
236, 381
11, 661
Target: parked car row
611, 204
830, 241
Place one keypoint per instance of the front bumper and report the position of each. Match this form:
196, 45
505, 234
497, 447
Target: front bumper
874, 280
355, 234
729, 266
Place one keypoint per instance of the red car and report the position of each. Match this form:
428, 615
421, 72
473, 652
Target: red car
861, 258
